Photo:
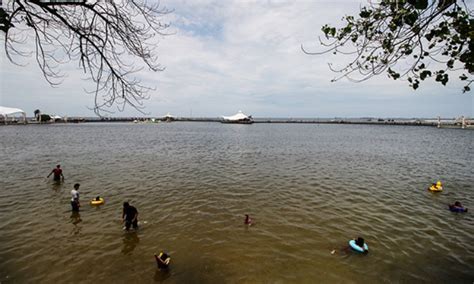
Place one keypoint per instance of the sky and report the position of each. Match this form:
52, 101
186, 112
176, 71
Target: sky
224, 56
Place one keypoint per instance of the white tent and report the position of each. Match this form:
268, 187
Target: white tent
168, 115
238, 116
9, 111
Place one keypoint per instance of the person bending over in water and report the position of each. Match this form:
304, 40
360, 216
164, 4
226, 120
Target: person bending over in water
129, 216
58, 173
163, 260
247, 220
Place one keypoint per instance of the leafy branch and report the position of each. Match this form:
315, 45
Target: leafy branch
434, 39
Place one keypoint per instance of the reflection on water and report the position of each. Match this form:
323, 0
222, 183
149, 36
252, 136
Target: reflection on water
56, 185
130, 241
75, 220
310, 188
161, 275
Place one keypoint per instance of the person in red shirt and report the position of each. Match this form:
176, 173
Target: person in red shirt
58, 173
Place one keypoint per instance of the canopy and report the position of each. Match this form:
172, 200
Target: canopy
6, 111
238, 116
9, 111
169, 115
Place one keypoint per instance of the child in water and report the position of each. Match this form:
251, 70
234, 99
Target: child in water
247, 220
163, 260
457, 207
360, 242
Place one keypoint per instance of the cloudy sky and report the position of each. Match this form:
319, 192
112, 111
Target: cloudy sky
225, 56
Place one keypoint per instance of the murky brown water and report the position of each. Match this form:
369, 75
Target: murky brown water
310, 188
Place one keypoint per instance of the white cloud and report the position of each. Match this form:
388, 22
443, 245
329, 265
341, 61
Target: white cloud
229, 55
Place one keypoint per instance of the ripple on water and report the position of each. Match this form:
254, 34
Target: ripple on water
309, 189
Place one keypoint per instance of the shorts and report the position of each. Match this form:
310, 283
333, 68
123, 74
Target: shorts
75, 206
129, 223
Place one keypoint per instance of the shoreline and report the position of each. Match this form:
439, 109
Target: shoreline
444, 123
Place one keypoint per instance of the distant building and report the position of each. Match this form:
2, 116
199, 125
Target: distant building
168, 117
7, 113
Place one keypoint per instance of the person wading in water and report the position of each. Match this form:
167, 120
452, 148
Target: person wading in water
58, 174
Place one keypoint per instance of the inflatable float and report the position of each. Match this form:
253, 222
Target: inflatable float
354, 246
97, 201
436, 187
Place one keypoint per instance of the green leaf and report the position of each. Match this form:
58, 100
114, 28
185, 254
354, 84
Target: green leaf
365, 13
5, 23
411, 18
450, 63
424, 74
419, 4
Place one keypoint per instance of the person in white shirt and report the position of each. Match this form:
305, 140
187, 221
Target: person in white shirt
75, 198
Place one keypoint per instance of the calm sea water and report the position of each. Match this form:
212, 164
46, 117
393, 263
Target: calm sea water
309, 188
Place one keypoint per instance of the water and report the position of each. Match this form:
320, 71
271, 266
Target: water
310, 188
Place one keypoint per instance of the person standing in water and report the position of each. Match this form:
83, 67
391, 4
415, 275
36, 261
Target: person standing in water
129, 216
75, 198
58, 173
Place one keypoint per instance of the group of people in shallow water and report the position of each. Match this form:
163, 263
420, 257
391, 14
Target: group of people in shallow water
130, 216
129, 213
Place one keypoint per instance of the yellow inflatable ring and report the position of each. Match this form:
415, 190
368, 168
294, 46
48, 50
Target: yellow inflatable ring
435, 189
97, 202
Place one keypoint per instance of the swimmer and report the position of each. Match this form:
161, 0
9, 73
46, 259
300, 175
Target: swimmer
247, 220
97, 198
163, 261
361, 244
457, 207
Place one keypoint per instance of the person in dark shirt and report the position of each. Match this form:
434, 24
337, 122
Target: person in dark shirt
129, 216
58, 173
162, 260
360, 242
